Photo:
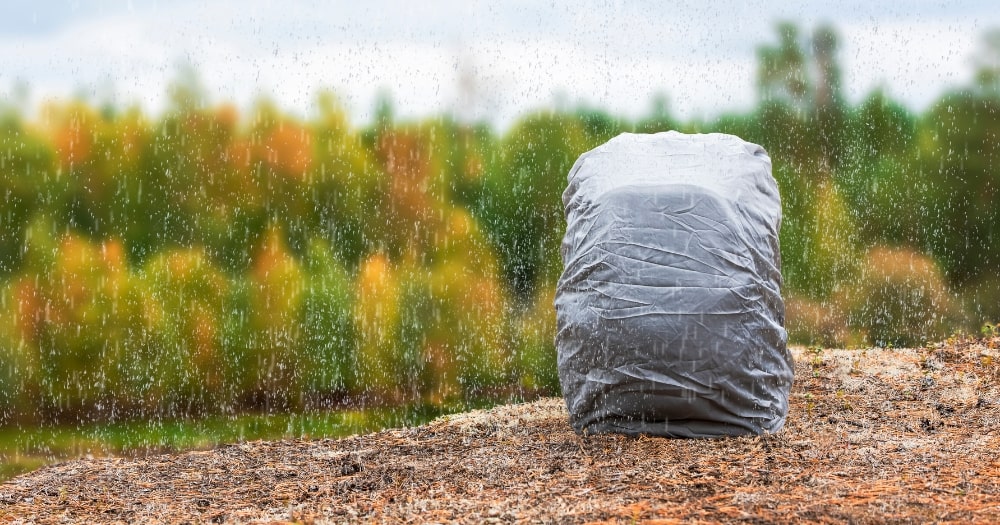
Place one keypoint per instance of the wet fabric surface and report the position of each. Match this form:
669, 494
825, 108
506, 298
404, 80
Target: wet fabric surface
670, 317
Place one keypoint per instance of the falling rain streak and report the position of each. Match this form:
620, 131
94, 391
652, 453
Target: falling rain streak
210, 261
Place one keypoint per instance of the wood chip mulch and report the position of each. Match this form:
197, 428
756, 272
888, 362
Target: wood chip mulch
873, 436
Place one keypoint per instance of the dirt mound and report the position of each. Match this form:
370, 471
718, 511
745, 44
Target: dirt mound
873, 436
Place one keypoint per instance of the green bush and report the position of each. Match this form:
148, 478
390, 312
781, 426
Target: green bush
327, 360
521, 206
277, 288
982, 298
18, 359
183, 368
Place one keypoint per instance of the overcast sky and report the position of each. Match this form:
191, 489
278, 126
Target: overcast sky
494, 60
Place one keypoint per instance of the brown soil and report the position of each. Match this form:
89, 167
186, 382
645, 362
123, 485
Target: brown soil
873, 436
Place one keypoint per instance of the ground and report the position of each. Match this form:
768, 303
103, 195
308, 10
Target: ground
876, 435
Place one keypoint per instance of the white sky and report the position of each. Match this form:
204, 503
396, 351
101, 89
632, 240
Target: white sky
510, 56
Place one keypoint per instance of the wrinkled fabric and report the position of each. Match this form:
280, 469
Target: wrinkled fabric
669, 309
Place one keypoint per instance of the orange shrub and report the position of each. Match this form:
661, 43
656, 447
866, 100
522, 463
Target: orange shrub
288, 150
901, 299
813, 322
72, 129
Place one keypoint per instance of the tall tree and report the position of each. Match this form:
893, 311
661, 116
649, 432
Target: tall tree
828, 99
782, 76
805, 80
987, 62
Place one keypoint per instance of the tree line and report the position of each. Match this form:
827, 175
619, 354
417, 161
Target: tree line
214, 260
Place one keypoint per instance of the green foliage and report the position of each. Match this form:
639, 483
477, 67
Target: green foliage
879, 179
659, 118
521, 206
18, 365
183, 357
982, 298
28, 183
467, 336
987, 62
327, 361
960, 146
802, 103
782, 74
831, 254
276, 289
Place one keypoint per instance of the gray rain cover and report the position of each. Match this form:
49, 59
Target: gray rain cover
669, 309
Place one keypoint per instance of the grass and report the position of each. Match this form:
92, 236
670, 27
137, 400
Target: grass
23, 449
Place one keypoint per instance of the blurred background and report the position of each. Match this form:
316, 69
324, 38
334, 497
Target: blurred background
250, 219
